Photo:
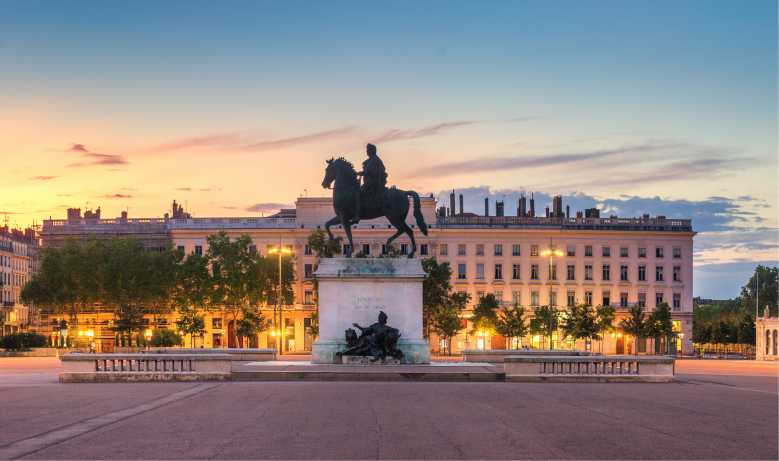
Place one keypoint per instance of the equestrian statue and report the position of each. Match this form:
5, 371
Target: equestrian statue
372, 199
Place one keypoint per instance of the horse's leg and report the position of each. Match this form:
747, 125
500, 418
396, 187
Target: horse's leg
392, 238
348, 229
410, 234
334, 220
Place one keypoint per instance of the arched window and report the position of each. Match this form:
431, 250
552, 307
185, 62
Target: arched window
767, 342
775, 342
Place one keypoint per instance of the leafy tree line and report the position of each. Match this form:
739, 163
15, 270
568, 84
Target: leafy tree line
120, 276
732, 321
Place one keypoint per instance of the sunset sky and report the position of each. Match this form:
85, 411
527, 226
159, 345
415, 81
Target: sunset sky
232, 107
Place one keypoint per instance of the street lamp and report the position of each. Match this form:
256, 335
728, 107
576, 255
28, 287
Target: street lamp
552, 251
279, 250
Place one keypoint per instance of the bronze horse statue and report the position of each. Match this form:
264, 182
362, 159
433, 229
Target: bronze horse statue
350, 208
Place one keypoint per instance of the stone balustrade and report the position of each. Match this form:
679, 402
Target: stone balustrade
499, 355
589, 368
81, 367
236, 354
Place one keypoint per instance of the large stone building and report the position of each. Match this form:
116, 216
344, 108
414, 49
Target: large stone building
18, 262
616, 261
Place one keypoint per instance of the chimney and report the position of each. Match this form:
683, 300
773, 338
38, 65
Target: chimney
441, 211
557, 206
499, 208
452, 210
486, 206
532, 206
74, 214
124, 216
522, 206
592, 213
578, 215
462, 210
567, 211
547, 211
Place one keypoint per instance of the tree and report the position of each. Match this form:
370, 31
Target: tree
322, 246
660, 326
252, 323
191, 323
191, 293
314, 325
579, 322
435, 291
545, 321
447, 323
162, 337
635, 325
768, 278
485, 314
604, 320
511, 323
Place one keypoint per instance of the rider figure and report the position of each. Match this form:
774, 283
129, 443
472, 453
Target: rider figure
374, 176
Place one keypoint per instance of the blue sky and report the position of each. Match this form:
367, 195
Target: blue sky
232, 106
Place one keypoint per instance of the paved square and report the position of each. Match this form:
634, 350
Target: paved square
718, 410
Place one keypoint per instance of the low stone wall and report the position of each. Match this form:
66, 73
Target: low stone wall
82, 368
36, 352
615, 368
242, 355
499, 355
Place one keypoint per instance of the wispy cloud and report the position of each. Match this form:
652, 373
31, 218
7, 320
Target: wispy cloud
245, 143
297, 140
90, 158
196, 189
431, 130
116, 196
267, 207
43, 178
197, 142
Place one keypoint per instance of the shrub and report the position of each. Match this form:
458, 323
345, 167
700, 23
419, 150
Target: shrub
22, 341
165, 338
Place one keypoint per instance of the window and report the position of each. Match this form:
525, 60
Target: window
588, 250
571, 250
677, 301
216, 323
308, 270
307, 250
658, 299
677, 252
677, 274
516, 298
570, 272
443, 249
180, 248
516, 272
606, 252
606, 299
606, 273
498, 271
571, 298
461, 273
534, 272
404, 248
498, 295
623, 273
480, 271
515, 249
498, 249
658, 273
588, 298
308, 297
623, 252
383, 248
366, 249
199, 250
423, 249
552, 298
588, 272
642, 299
623, 300
534, 298
461, 249
479, 249
347, 250
533, 250
642, 252
553, 272
658, 252
642, 273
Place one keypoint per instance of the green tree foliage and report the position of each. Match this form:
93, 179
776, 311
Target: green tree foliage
768, 278
162, 337
579, 322
191, 322
485, 314
314, 325
659, 326
435, 291
545, 321
447, 323
604, 318
251, 324
22, 341
322, 246
511, 323
635, 325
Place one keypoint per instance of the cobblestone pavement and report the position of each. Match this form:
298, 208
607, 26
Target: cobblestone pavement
717, 410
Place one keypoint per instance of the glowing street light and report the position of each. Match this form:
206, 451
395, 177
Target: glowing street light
278, 336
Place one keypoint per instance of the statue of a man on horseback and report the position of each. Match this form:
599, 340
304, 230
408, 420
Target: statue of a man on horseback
353, 201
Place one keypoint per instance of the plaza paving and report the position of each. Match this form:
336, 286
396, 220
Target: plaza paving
717, 409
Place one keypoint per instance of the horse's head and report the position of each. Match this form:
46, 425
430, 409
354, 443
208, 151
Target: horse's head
329, 174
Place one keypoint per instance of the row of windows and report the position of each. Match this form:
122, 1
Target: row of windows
570, 273
516, 250
12, 279
571, 300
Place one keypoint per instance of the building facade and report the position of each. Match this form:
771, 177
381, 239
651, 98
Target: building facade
18, 262
767, 329
597, 261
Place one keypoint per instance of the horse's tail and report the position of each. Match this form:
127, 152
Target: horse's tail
418, 212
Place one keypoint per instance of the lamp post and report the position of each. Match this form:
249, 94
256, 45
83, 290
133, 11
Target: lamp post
552, 251
279, 250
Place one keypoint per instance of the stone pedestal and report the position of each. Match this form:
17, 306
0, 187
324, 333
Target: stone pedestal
354, 290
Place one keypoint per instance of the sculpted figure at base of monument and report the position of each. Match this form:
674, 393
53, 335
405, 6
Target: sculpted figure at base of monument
379, 341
